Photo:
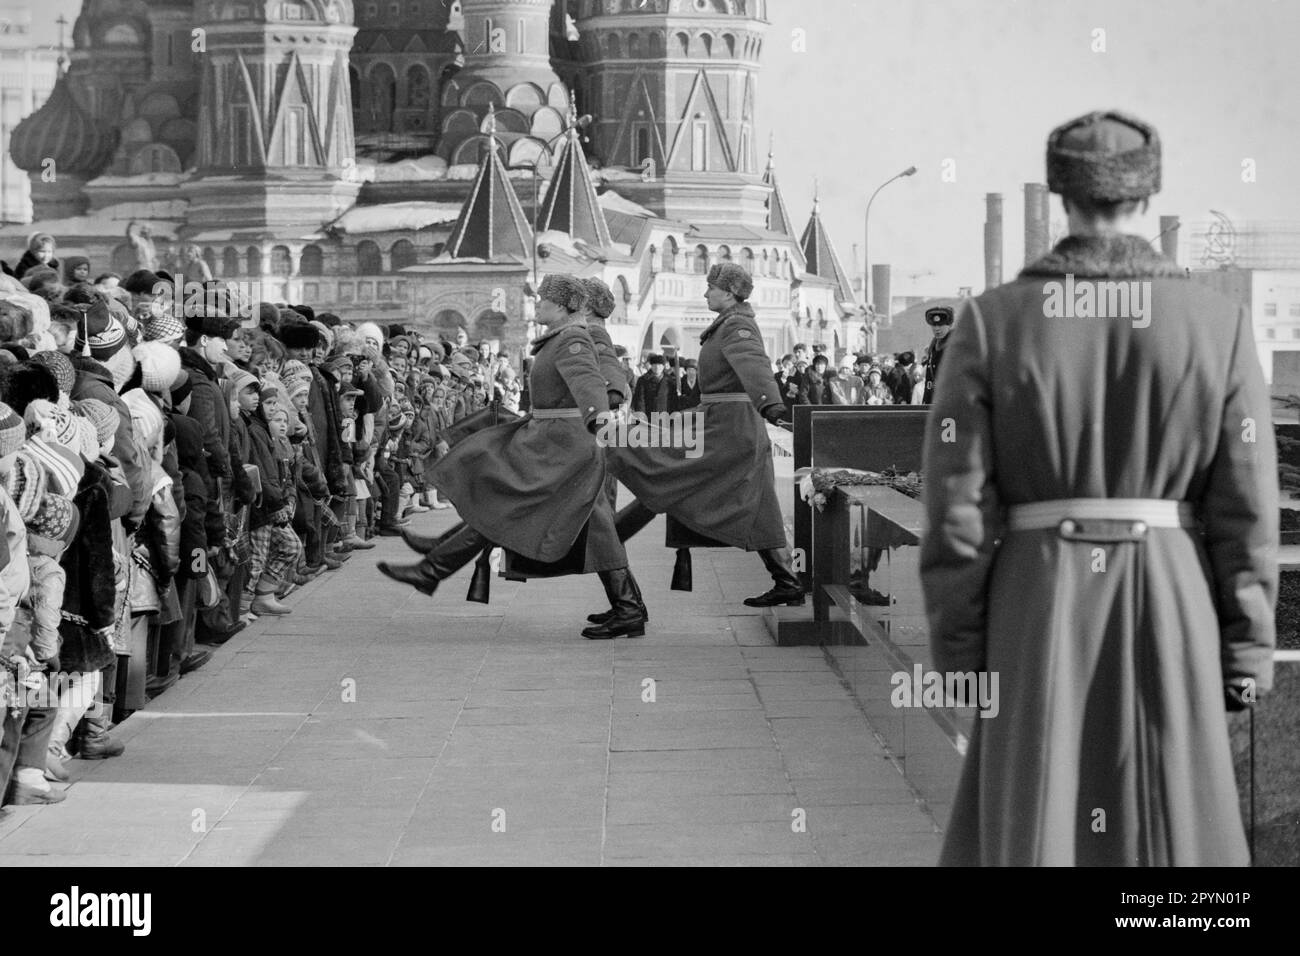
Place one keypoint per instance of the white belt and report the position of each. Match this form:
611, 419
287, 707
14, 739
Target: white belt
1152, 512
556, 413
713, 398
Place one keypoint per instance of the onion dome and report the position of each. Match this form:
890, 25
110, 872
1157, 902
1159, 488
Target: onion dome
62, 131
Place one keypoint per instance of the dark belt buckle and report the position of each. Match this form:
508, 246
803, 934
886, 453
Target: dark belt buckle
1102, 530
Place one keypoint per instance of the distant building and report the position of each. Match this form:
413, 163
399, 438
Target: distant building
27, 74
376, 159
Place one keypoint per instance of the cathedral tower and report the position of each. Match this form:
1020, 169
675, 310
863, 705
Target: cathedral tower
275, 141
672, 84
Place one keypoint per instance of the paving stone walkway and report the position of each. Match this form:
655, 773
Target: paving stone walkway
375, 726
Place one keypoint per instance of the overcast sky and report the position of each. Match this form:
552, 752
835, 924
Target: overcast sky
885, 84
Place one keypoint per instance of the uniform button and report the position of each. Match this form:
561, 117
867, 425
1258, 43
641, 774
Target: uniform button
1067, 527
1138, 529
592, 408
762, 398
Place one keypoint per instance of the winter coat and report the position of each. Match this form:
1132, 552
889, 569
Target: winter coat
29, 261
322, 403
1114, 645
727, 492
202, 522
276, 483
95, 381
652, 394
532, 485
15, 572
610, 366
90, 598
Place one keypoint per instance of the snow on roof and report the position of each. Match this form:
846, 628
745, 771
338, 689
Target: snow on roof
395, 216
141, 179
611, 201
111, 221
420, 170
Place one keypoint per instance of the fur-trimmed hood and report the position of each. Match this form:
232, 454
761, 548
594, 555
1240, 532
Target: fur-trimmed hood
1115, 257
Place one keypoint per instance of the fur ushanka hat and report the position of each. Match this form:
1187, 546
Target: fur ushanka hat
1104, 157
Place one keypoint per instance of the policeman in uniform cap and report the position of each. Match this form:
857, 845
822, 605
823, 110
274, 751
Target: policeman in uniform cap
1102, 525
726, 495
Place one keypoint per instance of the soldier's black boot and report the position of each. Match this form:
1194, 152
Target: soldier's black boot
632, 519
604, 616
424, 544
626, 619
786, 590
682, 571
480, 586
450, 555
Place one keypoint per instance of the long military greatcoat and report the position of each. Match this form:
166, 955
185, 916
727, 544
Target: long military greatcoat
533, 485
1112, 648
728, 492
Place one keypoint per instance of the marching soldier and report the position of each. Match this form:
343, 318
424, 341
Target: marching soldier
727, 494
1102, 511
536, 485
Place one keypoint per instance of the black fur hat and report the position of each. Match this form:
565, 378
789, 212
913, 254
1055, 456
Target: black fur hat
299, 335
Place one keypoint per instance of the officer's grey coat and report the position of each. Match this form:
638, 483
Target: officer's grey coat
728, 492
532, 485
1110, 745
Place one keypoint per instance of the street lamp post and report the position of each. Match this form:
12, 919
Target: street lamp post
866, 235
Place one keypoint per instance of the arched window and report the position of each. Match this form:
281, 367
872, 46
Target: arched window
403, 254
253, 261
612, 47
747, 260
707, 40
281, 262
370, 261
417, 87
656, 47
701, 260
633, 47
383, 95
230, 262
767, 264
312, 262
684, 44
724, 253
155, 158
669, 255
354, 81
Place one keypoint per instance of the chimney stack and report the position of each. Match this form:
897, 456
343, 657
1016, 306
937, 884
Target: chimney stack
993, 241
1169, 237
1036, 222
880, 289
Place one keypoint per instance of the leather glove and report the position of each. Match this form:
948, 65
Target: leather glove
773, 413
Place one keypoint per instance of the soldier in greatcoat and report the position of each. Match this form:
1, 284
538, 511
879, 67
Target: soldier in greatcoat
726, 494
1101, 497
536, 485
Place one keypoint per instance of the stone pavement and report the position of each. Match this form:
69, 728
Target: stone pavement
375, 726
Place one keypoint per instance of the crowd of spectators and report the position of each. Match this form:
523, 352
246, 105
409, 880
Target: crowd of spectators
169, 473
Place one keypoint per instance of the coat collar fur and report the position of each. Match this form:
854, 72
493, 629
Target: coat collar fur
1116, 257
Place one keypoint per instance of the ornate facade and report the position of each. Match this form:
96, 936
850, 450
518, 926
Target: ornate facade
422, 161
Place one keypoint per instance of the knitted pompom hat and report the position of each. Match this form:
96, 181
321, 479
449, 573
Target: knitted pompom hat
160, 366
164, 327
50, 421
104, 417
63, 464
369, 333
13, 431
64, 374
54, 517
25, 483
